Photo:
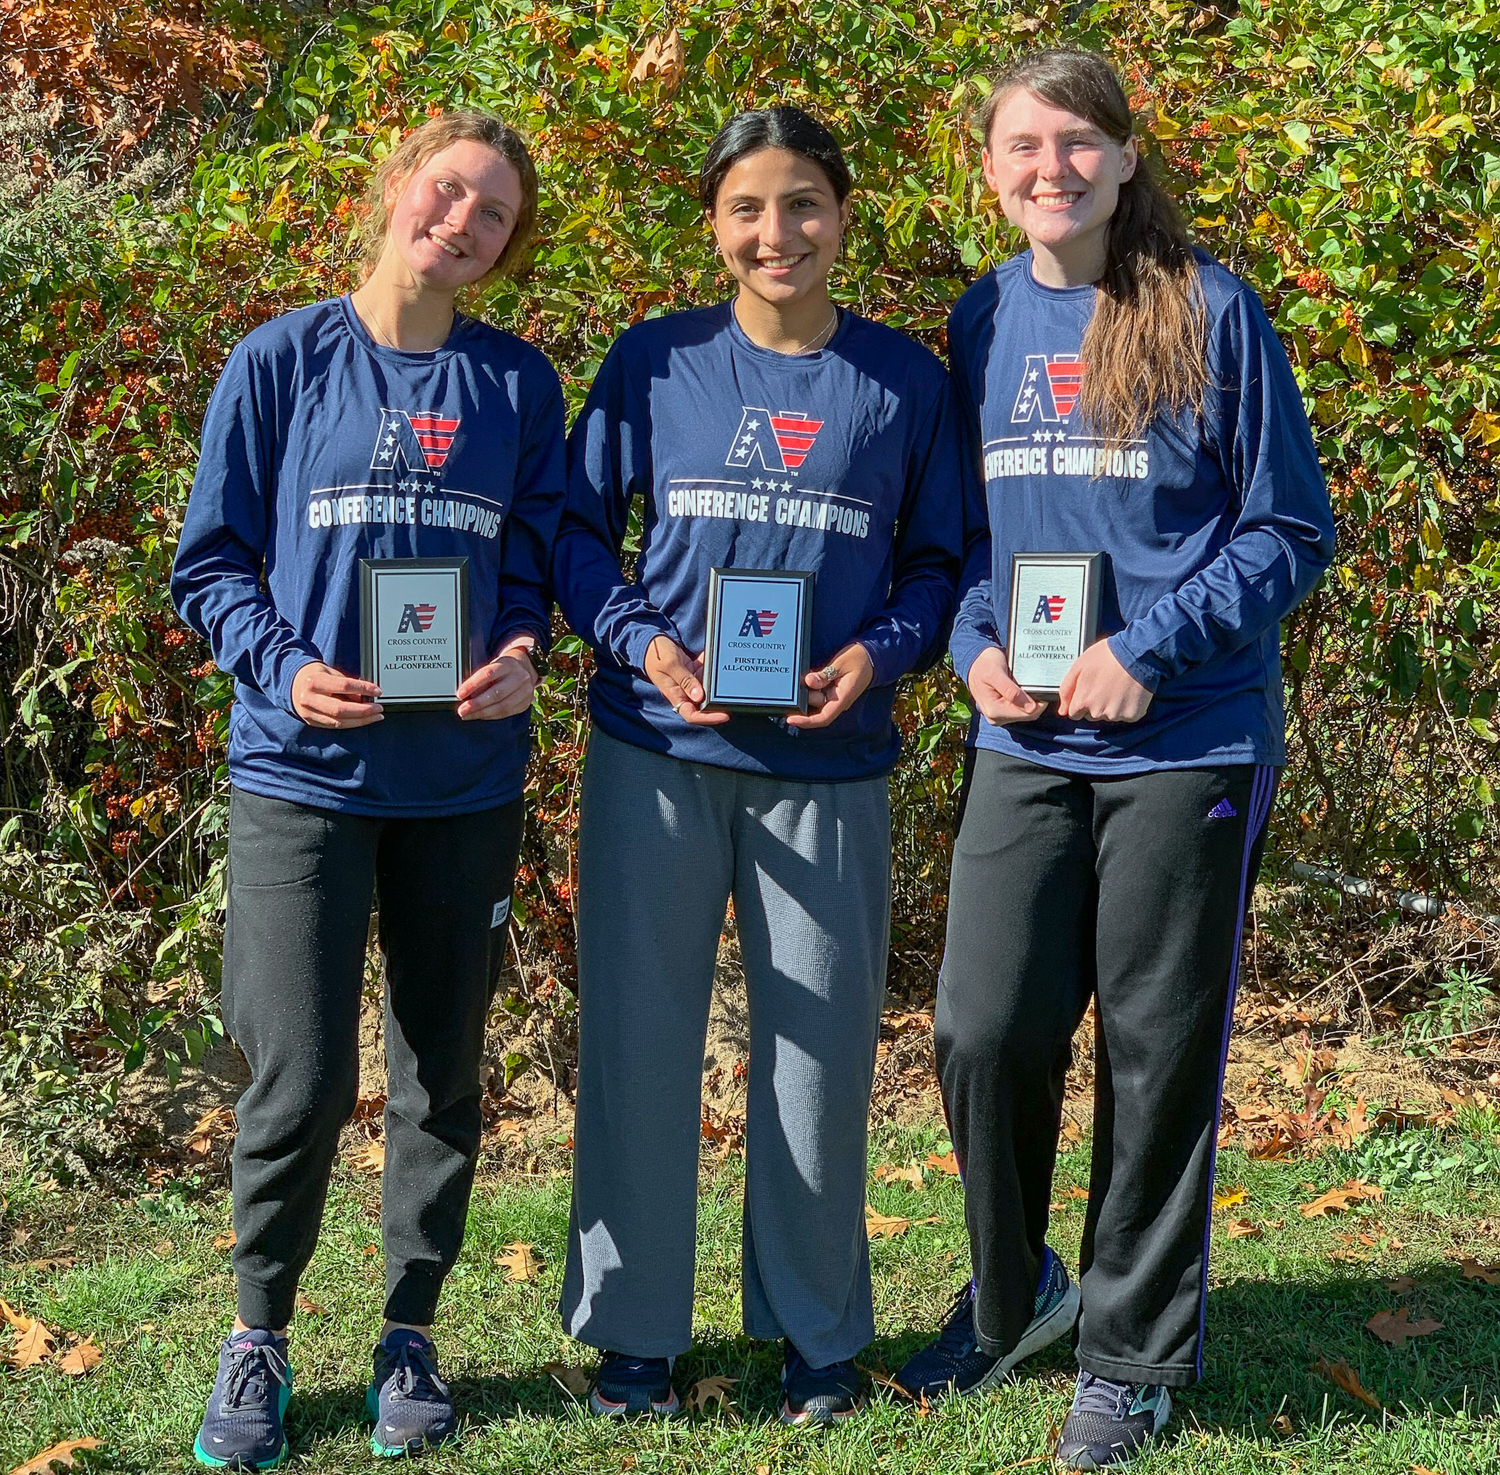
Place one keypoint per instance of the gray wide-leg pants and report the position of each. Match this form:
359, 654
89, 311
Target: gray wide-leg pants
662, 845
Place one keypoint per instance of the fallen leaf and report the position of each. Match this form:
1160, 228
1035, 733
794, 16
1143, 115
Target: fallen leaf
890, 1173
1243, 1229
371, 1159
519, 1262
1337, 1200
884, 1380
164, 1248
213, 1124
1396, 1327
713, 1389
1070, 1133
80, 1360
33, 1345
308, 1307
947, 1163
1400, 1284
225, 1241
51, 1262
1473, 1270
14, 1317
1078, 1193
570, 1379
1283, 1426
886, 1226
1423, 1470
1346, 1378
1231, 1199
56, 1454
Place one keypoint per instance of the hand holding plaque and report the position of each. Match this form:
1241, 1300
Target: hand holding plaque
414, 629
1054, 617
759, 640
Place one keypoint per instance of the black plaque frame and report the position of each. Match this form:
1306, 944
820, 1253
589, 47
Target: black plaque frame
369, 569
803, 640
1092, 565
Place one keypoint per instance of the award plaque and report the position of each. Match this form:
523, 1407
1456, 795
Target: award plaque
1054, 616
759, 640
414, 629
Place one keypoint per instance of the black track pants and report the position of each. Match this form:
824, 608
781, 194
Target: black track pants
300, 886
1133, 890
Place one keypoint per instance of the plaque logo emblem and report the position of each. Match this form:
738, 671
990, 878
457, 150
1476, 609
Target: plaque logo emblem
416, 617
779, 442
759, 622
413, 440
1049, 388
1048, 609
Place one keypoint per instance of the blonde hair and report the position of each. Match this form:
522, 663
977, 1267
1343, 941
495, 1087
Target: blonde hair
421, 144
1146, 345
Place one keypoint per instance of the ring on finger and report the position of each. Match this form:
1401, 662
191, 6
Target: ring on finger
830, 673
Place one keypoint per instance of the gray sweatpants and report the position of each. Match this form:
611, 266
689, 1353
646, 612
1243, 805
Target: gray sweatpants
662, 845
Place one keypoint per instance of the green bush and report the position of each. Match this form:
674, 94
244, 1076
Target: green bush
1344, 158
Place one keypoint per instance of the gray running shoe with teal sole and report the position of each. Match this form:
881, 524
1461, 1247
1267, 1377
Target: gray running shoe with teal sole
1110, 1423
409, 1402
956, 1363
242, 1425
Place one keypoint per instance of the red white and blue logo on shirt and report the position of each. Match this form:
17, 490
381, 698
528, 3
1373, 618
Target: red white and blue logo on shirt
1049, 388
780, 442
413, 440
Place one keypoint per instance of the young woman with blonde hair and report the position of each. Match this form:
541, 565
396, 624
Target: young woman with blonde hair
384, 424
1124, 394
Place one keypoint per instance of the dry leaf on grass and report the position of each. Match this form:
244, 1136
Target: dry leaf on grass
1243, 1229
58, 1455
225, 1241
1231, 1198
886, 1226
371, 1159
34, 1345
51, 1262
947, 1163
1400, 1284
1396, 1327
884, 1380
570, 1379
1423, 1470
1337, 1200
710, 1390
14, 1318
80, 1360
1282, 1425
1346, 1378
519, 1261
890, 1173
1473, 1270
308, 1307
1082, 1194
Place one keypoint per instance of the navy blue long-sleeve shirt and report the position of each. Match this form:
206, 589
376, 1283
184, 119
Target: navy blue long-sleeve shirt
1214, 529
846, 462
322, 447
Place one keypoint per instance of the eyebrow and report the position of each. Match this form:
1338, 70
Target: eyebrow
1087, 135
788, 194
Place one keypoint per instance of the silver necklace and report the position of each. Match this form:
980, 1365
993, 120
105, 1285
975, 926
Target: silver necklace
822, 333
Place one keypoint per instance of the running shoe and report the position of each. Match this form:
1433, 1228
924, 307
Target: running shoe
627, 1386
410, 1403
817, 1395
1110, 1423
242, 1426
956, 1363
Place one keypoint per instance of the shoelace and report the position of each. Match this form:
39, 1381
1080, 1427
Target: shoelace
1100, 1396
252, 1370
413, 1374
957, 1334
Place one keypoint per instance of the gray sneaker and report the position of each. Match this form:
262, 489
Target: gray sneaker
1110, 1423
242, 1423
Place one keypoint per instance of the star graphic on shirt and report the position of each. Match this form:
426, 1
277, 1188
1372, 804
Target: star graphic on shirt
756, 483
1031, 377
1062, 435
1036, 435
752, 424
786, 486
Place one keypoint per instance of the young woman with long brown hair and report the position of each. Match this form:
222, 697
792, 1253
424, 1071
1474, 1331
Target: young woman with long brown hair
1125, 394
385, 424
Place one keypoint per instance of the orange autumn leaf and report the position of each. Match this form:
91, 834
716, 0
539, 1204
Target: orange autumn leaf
519, 1262
1337, 1200
570, 1379
13, 1317
1397, 1327
1231, 1198
34, 1345
1081, 1194
1243, 1229
81, 1360
713, 1390
1344, 1376
58, 1455
884, 1226
947, 1163
371, 1159
890, 1173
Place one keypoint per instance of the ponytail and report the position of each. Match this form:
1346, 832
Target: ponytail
1146, 345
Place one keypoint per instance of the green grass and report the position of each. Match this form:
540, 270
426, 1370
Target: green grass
157, 1295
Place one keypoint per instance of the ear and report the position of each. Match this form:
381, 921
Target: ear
394, 187
987, 164
1130, 156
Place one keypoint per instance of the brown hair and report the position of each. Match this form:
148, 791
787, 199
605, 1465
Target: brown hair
1146, 344
421, 144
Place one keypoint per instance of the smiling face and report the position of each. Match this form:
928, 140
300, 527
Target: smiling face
778, 225
451, 217
1058, 178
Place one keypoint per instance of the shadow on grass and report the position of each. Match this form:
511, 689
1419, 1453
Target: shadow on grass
1264, 1341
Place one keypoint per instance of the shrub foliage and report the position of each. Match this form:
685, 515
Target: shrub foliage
198, 171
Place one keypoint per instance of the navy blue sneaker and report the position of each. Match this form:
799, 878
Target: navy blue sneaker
409, 1402
242, 1425
1110, 1423
627, 1386
817, 1395
956, 1362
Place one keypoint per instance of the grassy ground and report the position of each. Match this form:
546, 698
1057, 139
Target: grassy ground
150, 1285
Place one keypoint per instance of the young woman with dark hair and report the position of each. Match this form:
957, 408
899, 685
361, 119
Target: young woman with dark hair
384, 424
774, 431
1123, 393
